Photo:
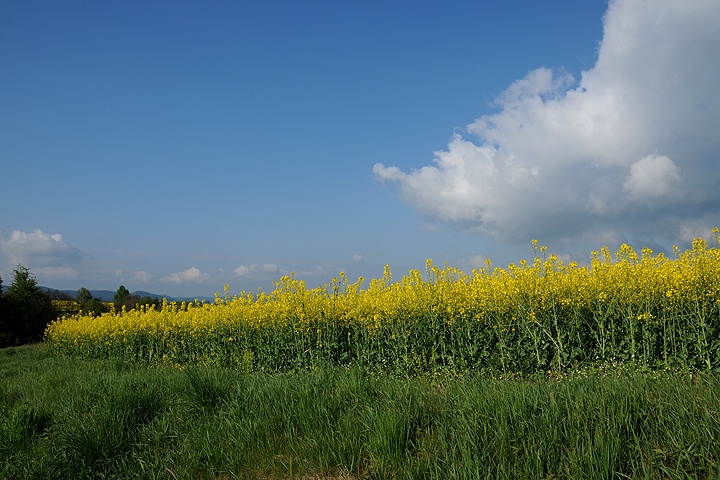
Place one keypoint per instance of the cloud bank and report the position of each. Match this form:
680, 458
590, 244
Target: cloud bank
42, 252
631, 149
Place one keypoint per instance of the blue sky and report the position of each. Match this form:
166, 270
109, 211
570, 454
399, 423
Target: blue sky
175, 147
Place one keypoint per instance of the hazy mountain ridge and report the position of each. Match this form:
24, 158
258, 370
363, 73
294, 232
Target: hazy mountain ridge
108, 295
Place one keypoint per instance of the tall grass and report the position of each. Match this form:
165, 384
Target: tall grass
71, 418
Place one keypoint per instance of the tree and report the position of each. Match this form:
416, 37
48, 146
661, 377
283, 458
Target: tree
29, 309
90, 305
95, 307
4, 320
24, 285
121, 294
152, 302
122, 297
83, 296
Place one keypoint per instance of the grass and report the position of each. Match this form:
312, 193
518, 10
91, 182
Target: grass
70, 418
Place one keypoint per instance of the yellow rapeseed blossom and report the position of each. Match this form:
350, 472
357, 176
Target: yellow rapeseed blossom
531, 316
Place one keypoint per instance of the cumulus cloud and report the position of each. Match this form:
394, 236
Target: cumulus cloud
38, 249
630, 147
191, 275
652, 177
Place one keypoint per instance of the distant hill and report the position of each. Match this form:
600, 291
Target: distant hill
108, 295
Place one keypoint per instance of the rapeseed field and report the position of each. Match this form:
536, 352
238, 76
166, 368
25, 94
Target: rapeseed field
538, 316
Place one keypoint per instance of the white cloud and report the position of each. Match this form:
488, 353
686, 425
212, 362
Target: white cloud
652, 177
269, 268
357, 258
142, 276
477, 261
566, 159
242, 271
192, 274
253, 269
38, 249
688, 233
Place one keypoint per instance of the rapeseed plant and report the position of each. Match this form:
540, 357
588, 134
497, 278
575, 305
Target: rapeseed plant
532, 316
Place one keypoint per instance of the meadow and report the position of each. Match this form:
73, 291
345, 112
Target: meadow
71, 418
538, 370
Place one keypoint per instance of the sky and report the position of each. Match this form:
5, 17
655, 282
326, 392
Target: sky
175, 147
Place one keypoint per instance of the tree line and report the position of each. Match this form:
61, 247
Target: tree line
26, 309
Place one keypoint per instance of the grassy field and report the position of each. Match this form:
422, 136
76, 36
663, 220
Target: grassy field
73, 418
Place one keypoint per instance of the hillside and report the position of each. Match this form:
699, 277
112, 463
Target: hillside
108, 295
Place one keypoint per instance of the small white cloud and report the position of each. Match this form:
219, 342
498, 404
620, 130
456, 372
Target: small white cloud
191, 275
253, 269
357, 258
242, 271
652, 177
269, 268
477, 261
142, 277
